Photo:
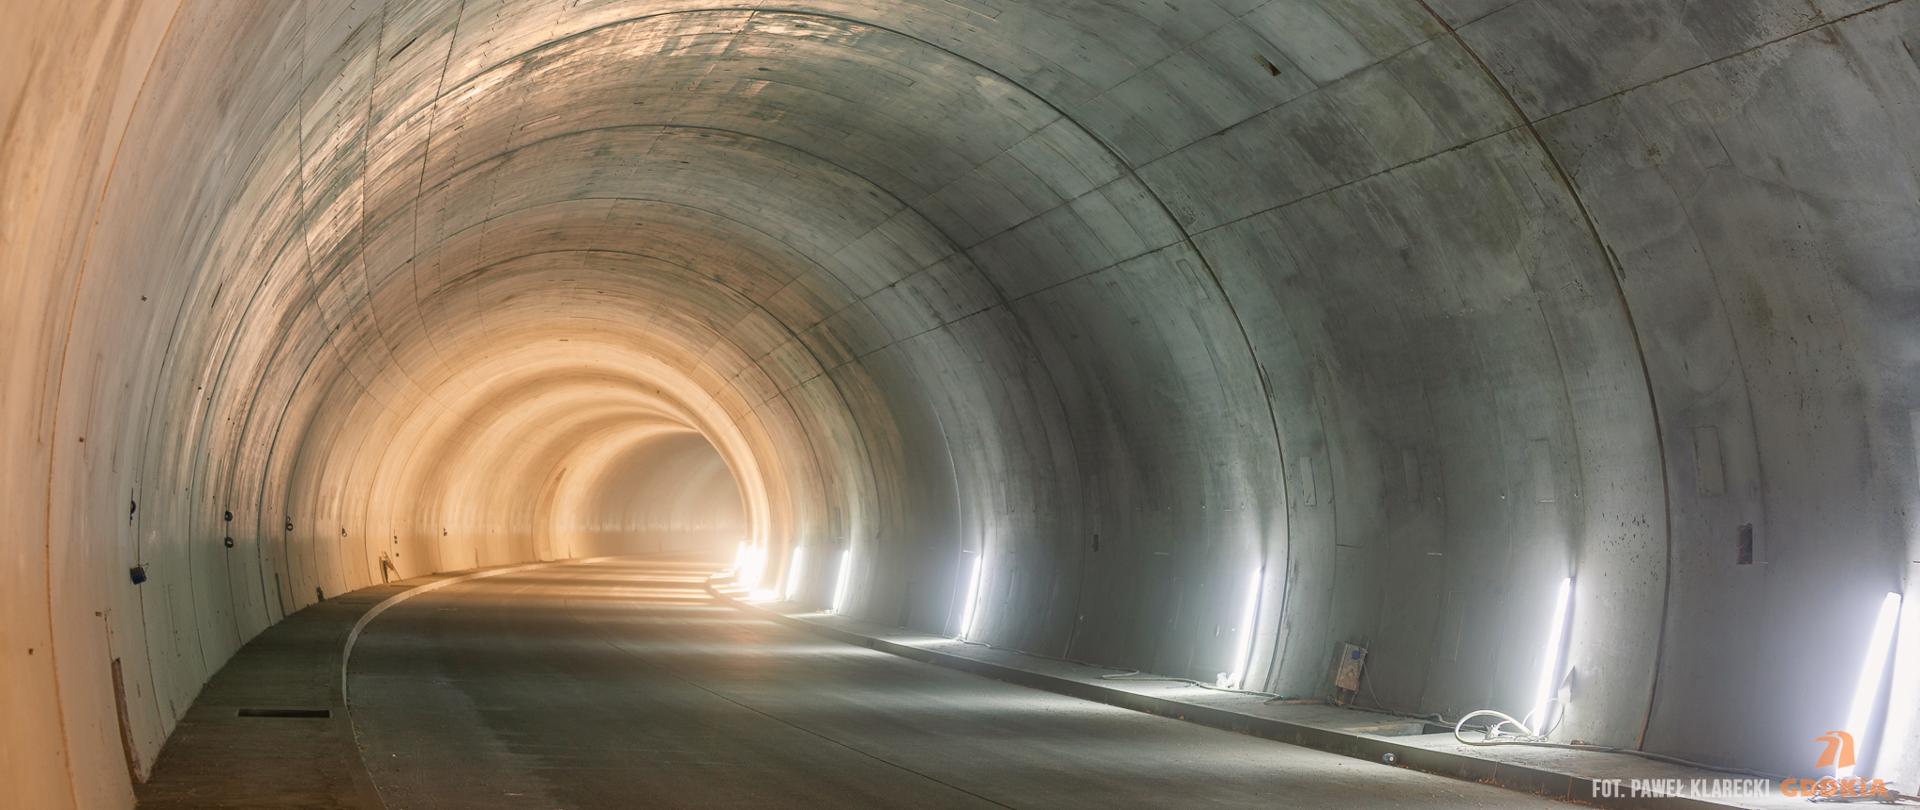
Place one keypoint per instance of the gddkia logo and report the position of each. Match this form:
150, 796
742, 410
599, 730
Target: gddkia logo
1839, 751
1836, 752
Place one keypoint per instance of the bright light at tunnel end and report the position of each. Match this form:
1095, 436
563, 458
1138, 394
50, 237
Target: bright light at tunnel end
841, 580
1866, 688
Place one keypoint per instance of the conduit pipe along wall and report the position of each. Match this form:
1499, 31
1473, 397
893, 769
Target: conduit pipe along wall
1422, 307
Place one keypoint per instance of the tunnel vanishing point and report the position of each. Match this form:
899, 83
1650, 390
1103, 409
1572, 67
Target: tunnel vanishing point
1564, 347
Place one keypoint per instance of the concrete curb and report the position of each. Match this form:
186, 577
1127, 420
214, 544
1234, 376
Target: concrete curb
1523, 778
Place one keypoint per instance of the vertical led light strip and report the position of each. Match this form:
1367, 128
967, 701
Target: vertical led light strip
1249, 613
1896, 737
842, 580
750, 573
1550, 659
972, 608
1866, 690
796, 570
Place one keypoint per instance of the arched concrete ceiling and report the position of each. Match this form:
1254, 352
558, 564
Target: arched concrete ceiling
1406, 309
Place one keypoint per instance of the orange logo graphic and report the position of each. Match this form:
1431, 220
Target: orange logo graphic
1837, 754
1839, 751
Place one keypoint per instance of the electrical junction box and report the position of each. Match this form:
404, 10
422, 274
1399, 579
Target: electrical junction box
1346, 675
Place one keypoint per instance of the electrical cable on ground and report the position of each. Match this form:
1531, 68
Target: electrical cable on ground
1526, 737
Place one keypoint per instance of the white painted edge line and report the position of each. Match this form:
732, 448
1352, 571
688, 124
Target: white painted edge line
346, 655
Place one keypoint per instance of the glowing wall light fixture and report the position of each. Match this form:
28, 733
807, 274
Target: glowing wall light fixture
1243, 654
1866, 690
796, 570
972, 605
1550, 660
755, 566
841, 581
1896, 747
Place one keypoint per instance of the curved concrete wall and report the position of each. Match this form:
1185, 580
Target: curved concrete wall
1408, 309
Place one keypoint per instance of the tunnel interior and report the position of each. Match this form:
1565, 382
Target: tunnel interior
1213, 334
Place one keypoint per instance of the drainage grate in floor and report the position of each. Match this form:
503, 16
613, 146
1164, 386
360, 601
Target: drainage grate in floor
313, 713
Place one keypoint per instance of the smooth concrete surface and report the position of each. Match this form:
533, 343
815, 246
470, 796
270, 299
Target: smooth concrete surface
624, 684
1381, 316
